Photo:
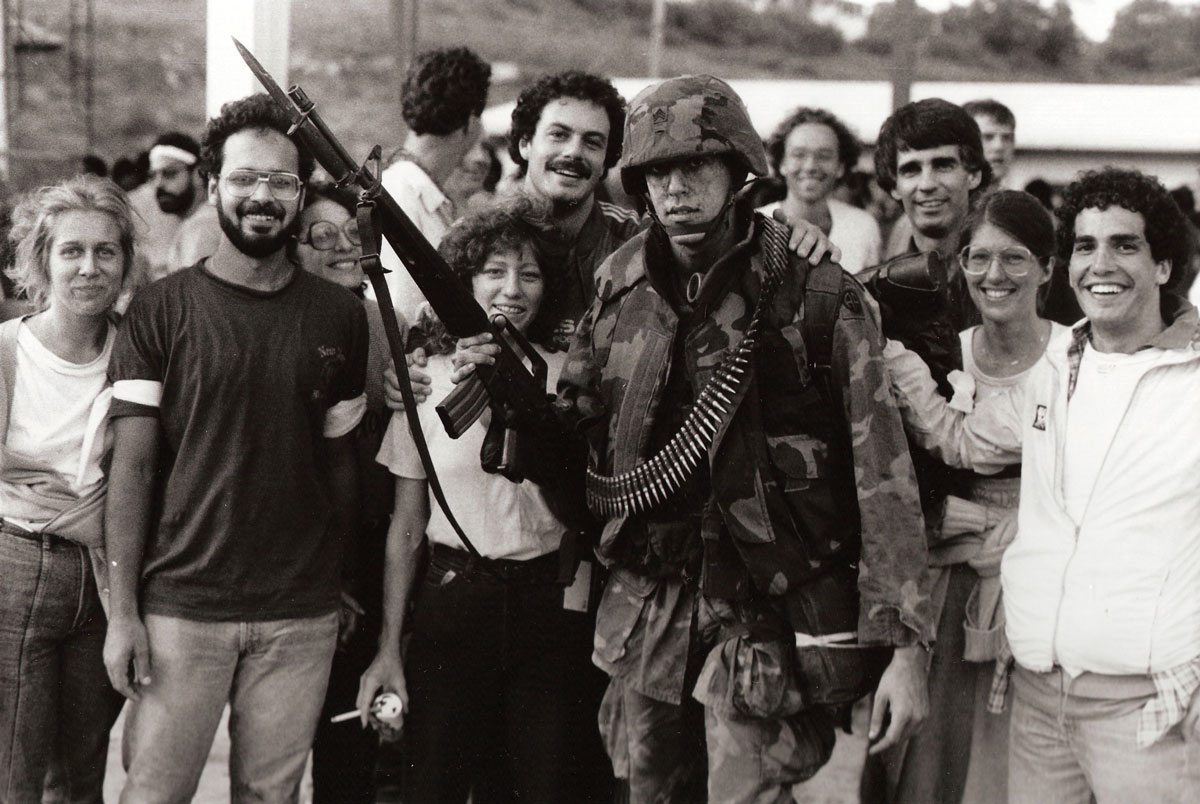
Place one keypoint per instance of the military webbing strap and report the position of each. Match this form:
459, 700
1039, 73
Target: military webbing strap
372, 238
651, 483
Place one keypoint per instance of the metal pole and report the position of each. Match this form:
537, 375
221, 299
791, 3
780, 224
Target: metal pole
658, 23
89, 74
904, 53
5, 60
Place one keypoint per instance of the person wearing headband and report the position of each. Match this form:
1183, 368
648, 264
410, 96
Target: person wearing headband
171, 196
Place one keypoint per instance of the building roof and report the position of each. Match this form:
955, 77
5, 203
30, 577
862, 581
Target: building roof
1069, 117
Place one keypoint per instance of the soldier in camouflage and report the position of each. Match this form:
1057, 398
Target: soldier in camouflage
796, 542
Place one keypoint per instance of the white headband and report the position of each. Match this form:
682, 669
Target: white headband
160, 153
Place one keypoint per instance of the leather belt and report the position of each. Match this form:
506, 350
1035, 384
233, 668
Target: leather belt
541, 570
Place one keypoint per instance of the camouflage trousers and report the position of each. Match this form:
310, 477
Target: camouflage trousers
687, 751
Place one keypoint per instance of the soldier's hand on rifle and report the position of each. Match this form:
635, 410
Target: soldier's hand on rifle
420, 380
477, 350
903, 693
808, 241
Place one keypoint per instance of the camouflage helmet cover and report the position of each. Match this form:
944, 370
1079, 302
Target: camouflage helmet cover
685, 117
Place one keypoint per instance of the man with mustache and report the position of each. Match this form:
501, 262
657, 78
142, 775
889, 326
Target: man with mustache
174, 193
236, 385
444, 95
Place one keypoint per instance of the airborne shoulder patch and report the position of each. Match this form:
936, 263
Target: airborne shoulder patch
852, 304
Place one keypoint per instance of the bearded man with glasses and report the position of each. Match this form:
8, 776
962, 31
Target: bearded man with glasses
237, 384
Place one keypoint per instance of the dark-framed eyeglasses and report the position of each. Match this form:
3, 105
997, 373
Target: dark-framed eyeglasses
242, 183
1017, 261
323, 235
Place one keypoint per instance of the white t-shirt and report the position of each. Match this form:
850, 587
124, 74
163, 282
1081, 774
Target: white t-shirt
1103, 390
430, 211
501, 518
56, 428
855, 231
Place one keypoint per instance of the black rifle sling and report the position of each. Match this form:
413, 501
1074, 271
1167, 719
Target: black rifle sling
822, 299
371, 238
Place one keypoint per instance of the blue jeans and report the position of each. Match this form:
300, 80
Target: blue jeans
56, 705
272, 674
1066, 748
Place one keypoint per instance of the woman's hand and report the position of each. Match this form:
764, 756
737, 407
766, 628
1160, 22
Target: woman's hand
477, 350
386, 674
987, 561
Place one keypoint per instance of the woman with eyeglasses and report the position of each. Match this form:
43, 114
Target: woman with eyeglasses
344, 754
73, 255
961, 752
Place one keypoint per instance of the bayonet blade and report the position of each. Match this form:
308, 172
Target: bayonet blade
273, 89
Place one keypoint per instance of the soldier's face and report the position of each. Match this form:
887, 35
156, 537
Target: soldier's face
567, 150
689, 194
934, 187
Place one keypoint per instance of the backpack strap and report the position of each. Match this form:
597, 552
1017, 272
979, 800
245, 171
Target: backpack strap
822, 298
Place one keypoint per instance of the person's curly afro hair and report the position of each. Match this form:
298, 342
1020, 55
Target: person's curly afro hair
570, 84
255, 112
1167, 229
444, 89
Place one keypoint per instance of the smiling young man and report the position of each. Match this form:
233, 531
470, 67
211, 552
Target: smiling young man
777, 524
1102, 615
236, 385
566, 134
1100, 583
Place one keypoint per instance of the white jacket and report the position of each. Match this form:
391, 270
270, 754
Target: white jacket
1120, 593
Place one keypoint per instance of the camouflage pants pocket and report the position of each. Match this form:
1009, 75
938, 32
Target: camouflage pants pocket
760, 760
744, 678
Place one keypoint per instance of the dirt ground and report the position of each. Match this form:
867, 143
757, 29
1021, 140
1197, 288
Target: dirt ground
837, 783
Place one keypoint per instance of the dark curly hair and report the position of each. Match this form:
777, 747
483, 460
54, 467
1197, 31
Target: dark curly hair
506, 224
1166, 227
444, 89
848, 146
929, 123
255, 112
569, 84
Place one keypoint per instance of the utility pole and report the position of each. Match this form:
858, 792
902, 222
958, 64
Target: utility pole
904, 53
658, 23
89, 111
6, 56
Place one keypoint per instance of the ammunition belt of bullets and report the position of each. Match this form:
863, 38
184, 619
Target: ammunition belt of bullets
653, 482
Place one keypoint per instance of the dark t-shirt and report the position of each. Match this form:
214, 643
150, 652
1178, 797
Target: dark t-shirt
241, 508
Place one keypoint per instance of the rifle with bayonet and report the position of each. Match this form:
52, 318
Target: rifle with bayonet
515, 393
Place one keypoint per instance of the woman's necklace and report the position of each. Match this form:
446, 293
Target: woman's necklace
994, 359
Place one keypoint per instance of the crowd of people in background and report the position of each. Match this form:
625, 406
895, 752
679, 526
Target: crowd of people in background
819, 435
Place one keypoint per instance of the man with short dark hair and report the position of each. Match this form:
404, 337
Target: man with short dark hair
566, 134
444, 95
929, 157
174, 193
998, 130
1102, 615
236, 385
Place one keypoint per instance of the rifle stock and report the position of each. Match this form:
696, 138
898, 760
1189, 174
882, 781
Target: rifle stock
506, 385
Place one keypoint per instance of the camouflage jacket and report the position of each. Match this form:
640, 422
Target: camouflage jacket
614, 378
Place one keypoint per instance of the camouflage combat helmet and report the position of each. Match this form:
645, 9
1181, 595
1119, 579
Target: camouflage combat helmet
693, 115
